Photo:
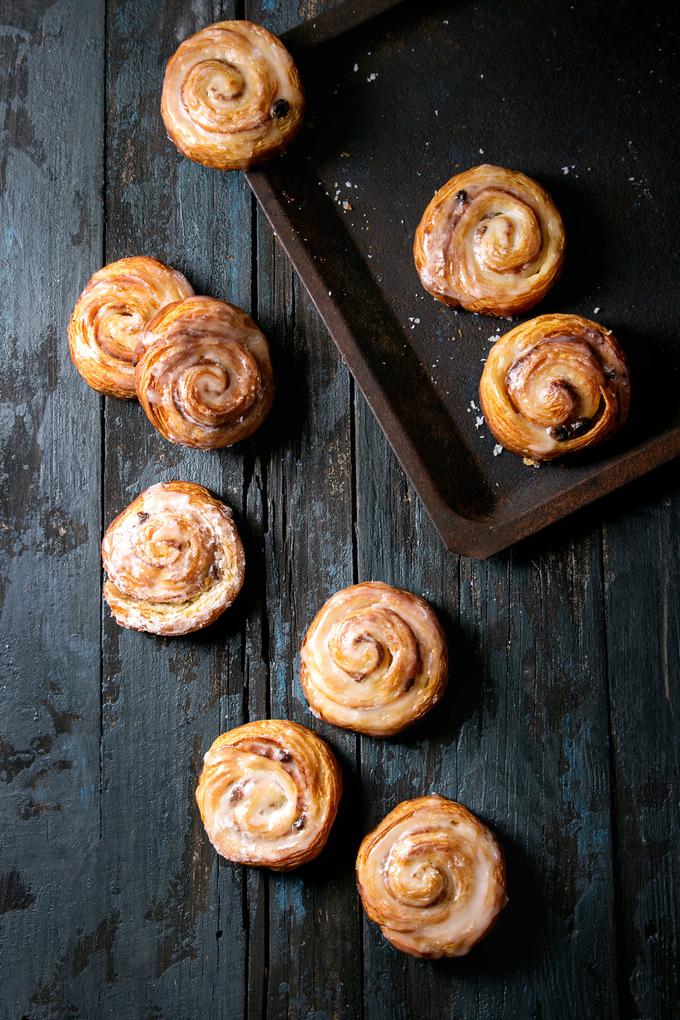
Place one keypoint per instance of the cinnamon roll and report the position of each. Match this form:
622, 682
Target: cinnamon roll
204, 377
174, 560
373, 660
110, 315
268, 794
232, 96
555, 385
491, 240
433, 877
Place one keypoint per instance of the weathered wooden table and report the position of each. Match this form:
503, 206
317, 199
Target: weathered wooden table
561, 727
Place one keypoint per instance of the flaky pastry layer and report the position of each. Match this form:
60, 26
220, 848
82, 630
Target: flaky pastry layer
433, 877
204, 376
174, 560
555, 385
232, 96
110, 316
269, 793
374, 659
491, 240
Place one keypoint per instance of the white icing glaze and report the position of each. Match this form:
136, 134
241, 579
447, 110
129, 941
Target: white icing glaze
268, 794
220, 93
432, 876
174, 560
374, 659
111, 314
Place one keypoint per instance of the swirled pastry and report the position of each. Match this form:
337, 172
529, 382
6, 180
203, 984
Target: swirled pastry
204, 376
555, 385
491, 240
232, 96
374, 659
268, 794
110, 315
433, 877
174, 560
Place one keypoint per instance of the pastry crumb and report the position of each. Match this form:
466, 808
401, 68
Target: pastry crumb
531, 463
497, 450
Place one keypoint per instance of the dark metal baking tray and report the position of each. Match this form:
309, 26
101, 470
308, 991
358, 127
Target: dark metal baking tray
582, 96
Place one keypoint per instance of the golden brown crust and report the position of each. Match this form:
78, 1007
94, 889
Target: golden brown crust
374, 659
269, 793
555, 385
491, 241
433, 877
174, 560
232, 96
111, 314
204, 377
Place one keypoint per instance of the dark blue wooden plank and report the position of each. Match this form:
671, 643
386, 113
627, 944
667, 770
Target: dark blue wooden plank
56, 935
183, 944
314, 951
642, 565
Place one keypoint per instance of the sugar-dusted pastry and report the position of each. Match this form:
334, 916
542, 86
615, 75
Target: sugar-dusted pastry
555, 385
433, 877
204, 376
269, 793
232, 96
374, 659
174, 560
110, 315
491, 241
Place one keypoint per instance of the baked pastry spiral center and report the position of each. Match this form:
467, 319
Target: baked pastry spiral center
506, 235
432, 876
376, 654
173, 558
117, 328
419, 872
223, 97
265, 803
165, 558
215, 385
374, 659
491, 241
554, 385
558, 382
268, 794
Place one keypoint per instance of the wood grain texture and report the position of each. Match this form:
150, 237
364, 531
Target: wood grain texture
57, 932
560, 727
314, 948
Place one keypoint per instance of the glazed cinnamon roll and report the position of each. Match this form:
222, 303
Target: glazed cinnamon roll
491, 240
374, 659
268, 794
204, 376
110, 315
232, 96
555, 385
433, 877
174, 560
